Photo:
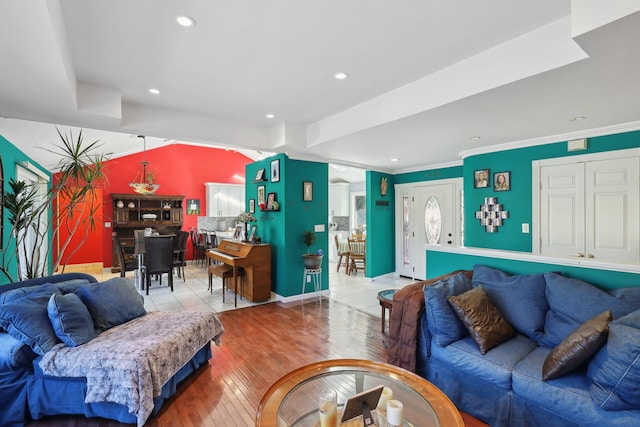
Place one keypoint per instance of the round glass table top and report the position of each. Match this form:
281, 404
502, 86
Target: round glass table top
293, 399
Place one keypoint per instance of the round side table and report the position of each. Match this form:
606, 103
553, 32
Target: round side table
386, 302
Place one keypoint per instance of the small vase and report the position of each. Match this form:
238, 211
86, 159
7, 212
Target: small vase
131, 205
120, 204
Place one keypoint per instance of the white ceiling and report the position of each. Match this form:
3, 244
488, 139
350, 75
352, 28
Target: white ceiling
425, 75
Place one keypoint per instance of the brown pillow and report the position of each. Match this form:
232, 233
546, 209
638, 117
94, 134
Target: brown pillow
482, 319
578, 347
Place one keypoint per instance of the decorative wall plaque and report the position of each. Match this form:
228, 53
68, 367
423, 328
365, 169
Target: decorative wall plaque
491, 214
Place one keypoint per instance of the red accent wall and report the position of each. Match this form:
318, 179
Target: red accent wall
179, 169
92, 239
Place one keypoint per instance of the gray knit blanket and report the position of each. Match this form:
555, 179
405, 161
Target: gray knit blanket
129, 364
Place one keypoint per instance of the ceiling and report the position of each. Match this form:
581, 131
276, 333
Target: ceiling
425, 76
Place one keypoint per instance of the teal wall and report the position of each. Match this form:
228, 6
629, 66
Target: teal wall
284, 229
380, 225
11, 156
518, 200
439, 263
429, 175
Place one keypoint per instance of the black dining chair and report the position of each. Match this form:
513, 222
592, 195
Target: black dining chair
198, 246
158, 259
128, 262
179, 252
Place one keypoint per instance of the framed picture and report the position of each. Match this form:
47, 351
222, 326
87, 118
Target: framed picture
307, 191
271, 197
481, 178
238, 234
502, 181
253, 232
252, 205
261, 193
259, 175
275, 170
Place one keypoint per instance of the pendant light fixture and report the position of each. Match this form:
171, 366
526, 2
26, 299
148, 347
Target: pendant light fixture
146, 184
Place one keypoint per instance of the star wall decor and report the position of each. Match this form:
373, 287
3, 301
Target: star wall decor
491, 214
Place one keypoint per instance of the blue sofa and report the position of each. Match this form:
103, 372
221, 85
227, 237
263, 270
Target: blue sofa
26, 392
504, 386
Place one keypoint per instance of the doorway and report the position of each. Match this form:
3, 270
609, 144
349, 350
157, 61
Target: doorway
426, 214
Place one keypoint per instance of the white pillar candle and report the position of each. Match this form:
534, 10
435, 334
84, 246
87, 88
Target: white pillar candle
387, 394
328, 408
394, 412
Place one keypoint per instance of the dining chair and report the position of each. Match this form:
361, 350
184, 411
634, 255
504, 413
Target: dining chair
128, 262
357, 255
158, 259
343, 252
179, 252
198, 245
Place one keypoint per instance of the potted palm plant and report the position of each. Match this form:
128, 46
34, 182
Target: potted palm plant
311, 261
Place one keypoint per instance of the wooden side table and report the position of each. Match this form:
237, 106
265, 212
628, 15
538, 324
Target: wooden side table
386, 302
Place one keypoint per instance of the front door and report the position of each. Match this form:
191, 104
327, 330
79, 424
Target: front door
426, 214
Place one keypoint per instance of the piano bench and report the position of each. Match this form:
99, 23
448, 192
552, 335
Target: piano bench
225, 272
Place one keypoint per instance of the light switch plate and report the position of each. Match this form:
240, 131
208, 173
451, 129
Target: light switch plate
525, 228
318, 228
107, 224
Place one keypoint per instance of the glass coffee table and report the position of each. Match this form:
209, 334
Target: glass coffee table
293, 399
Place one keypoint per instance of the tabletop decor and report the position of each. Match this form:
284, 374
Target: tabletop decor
246, 217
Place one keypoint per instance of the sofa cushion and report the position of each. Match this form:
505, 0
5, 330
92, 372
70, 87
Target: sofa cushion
112, 302
615, 369
507, 292
578, 347
14, 353
572, 302
495, 366
26, 319
70, 319
443, 323
483, 320
66, 286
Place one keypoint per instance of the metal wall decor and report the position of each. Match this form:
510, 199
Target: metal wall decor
491, 214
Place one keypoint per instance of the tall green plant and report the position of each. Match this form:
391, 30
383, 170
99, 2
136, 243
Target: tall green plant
79, 174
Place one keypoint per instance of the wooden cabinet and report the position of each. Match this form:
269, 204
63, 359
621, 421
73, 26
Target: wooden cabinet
224, 200
135, 212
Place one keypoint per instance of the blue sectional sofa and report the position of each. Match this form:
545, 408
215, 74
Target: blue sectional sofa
71, 323
593, 375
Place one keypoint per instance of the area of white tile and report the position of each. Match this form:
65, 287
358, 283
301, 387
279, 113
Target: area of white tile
191, 294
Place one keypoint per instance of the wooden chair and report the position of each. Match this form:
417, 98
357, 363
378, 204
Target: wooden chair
128, 262
342, 254
357, 255
158, 259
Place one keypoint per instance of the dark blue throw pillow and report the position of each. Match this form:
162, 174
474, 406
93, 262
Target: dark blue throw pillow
26, 319
572, 302
112, 303
442, 321
71, 319
520, 298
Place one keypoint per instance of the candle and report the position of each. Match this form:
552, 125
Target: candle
394, 412
328, 408
387, 394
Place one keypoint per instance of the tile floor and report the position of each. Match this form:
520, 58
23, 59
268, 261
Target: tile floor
192, 294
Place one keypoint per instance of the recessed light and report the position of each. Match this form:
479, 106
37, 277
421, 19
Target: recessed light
395, 159
474, 138
186, 21
341, 76
270, 116
577, 118
154, 91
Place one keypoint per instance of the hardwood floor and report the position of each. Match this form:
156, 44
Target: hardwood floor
259, 345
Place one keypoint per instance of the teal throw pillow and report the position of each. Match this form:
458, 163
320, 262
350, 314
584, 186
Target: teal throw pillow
70, 319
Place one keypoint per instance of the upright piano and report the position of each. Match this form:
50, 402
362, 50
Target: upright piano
256, 262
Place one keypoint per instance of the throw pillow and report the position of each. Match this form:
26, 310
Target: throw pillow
572, 302
443, 323
112, 303
13, 353
615, 369
482, 319
578, 347
70, 319
26, 319
509, 292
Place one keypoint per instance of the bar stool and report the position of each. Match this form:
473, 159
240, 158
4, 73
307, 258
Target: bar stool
315, 277
225, 272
